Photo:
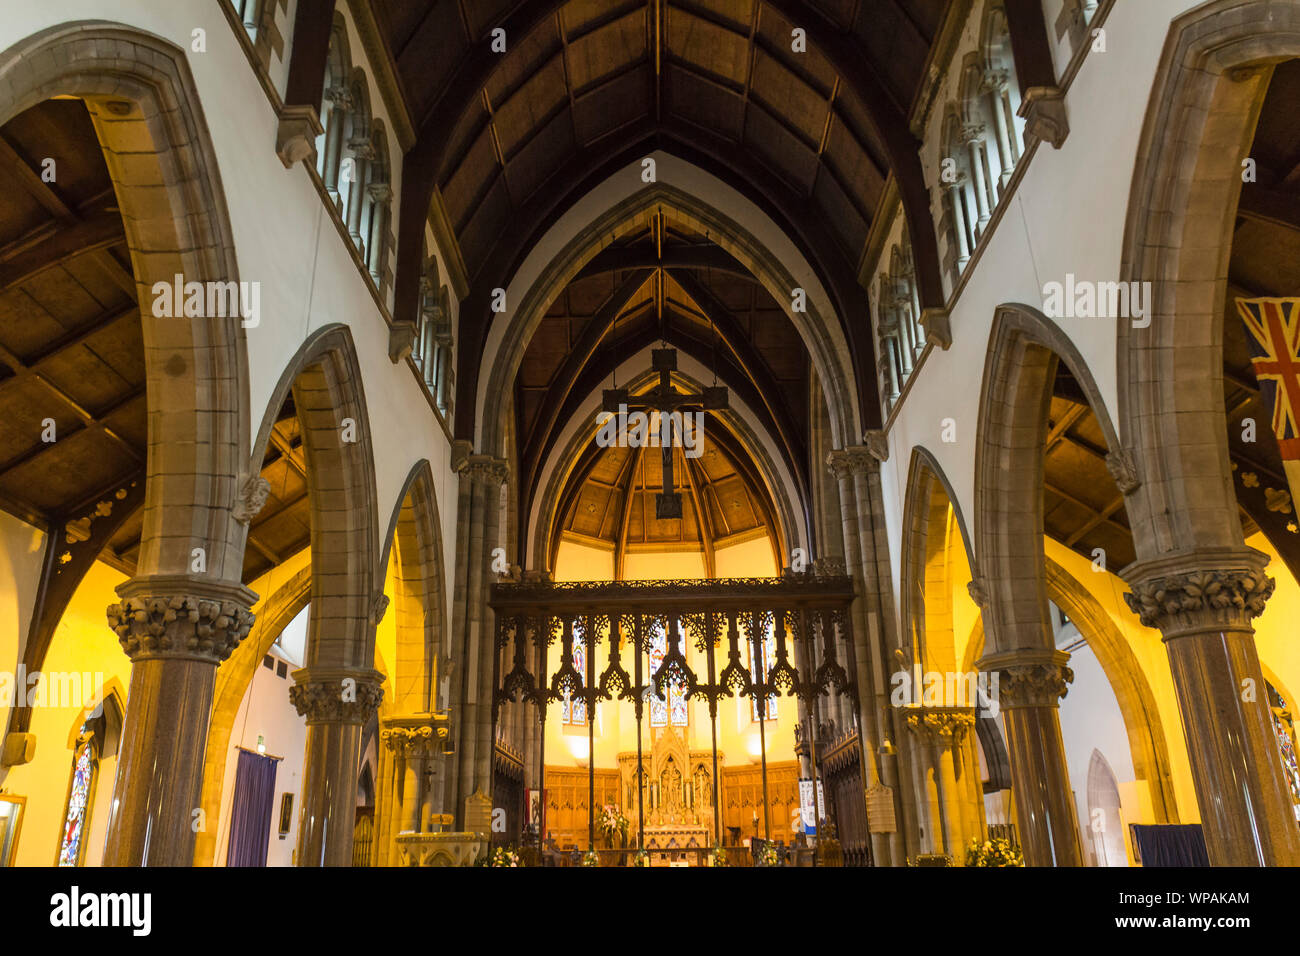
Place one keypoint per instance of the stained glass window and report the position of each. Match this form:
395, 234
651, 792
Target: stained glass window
767, 660
575, 711
84, 766
673, 709
1284, 728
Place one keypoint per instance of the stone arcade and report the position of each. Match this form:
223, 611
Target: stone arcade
311, 318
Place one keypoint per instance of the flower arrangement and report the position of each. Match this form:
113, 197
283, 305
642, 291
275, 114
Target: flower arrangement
611, 823
718, 857
769, 855
642, 858
503, 856
995, 852
591, 858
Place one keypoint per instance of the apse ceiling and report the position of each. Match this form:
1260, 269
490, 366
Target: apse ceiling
609, 501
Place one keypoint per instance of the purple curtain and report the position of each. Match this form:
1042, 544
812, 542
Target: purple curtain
1171, 844
250, 818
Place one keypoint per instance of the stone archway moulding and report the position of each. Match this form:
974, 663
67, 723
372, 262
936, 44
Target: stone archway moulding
1015, 398
139, 89
1148, 744
1214, 72
617, 205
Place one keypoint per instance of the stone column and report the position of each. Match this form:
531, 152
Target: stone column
972, 138
336, 702
866, 559
1203, 603
994, 86
415, 744
943, 732
341, 104
479, 508
362, 154
1031, 684
175, 633
957, 200
381, 194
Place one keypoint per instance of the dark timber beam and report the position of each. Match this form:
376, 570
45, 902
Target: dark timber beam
300, 120
750, 362
695, 257
1042, 102
579, 355
889, 122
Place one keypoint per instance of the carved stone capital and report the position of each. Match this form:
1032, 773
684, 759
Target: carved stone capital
536, 576
336, 695
854, 460
295, 135
1030, 678
938, 330
485, 469
362, 149
340, 98
253, 491
380, 192
971, 133
418, 735
1212, 590
155, 619
945, 726
1043, 109
994, 81
831, 567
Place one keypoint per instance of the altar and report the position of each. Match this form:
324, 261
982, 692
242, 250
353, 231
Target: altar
677, 799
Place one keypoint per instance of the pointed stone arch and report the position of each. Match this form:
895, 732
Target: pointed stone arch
274, 613
414, 538
1015, 397
819, 328
325, 381
147, 114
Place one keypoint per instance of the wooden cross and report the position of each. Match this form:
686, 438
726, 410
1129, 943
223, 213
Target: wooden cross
665, 399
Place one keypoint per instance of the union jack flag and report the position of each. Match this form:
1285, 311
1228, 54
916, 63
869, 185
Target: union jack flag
1274, 342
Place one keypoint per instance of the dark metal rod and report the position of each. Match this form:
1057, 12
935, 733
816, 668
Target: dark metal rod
760, 648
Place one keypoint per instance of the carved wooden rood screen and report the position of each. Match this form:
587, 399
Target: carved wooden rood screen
539, 624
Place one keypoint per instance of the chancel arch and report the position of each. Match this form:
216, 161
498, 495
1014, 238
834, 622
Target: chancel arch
626, 202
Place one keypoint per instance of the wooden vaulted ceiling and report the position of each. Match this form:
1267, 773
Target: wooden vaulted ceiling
510, 141
588, 73
663, 283
72, 351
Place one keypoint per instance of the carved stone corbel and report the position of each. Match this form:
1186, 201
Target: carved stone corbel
938, 330
1043, 110
295, 135
253, 491
401, 340
1122, 468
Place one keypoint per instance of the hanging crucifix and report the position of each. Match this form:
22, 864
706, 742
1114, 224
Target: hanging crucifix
672, 407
